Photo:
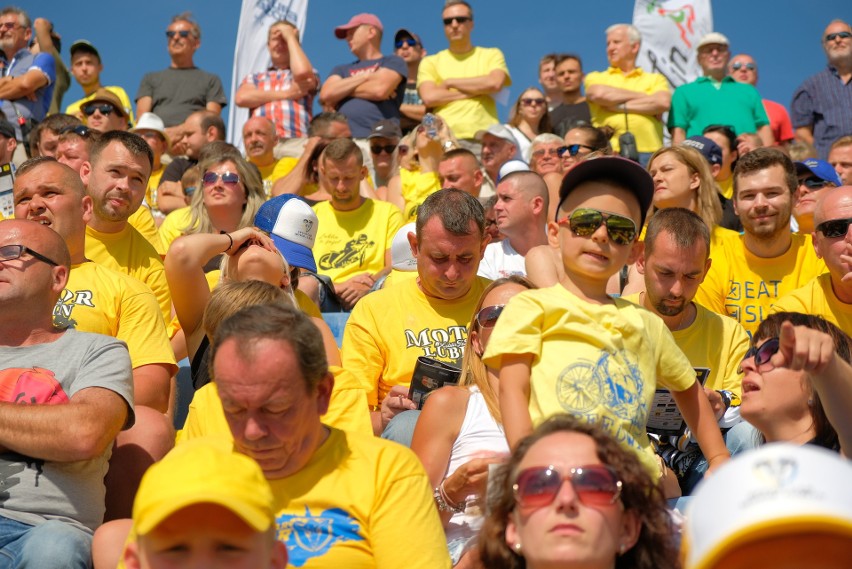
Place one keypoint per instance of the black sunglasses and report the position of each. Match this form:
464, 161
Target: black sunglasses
459, 19
80, 130
182, 33
387, 149
105, 109
764, 353
841, 35
583, 222
738, 65
406, 43
814, 183
573, 149
12, 252
834, 227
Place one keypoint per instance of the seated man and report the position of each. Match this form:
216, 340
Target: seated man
259, 139
814, 176
45, 137
78, 395
427, 316
104, 111
354, 238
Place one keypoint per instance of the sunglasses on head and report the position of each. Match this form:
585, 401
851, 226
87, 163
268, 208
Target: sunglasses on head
813, 183
12, 252
573, 149
834, 227
738, 65
595, 485
487, 317
408, 42
841, 35
228, 178
105, 109
80, 130
584, 222
387, 149
459, 19
182, 33
528, 102
764, 353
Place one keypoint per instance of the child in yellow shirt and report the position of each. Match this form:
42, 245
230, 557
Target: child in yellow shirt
572, 348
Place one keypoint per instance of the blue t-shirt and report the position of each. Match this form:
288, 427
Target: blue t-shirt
363, 114
23, 62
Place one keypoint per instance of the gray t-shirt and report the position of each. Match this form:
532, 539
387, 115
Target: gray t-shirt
363, 113
177, 93
33, 490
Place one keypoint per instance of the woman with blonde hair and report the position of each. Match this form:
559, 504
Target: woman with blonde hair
529, 118
459, 432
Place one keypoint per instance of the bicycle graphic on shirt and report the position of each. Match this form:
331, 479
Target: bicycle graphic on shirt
354, 251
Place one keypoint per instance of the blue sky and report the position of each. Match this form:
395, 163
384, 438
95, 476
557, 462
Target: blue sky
783, 36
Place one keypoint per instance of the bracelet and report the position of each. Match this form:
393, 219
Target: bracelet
231, 239
726, 397
444, 503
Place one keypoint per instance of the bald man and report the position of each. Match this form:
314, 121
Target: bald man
743, 68
259, 139
830, 294
521, 213
99, 299
69, 394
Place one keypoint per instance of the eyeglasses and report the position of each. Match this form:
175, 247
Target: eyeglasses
228, 178
828, 37
80, 130
738, 65
409, 42
10, 26
813, 183
584, 222
105, 108
530, 102
459, 19
487, 317
387, 149
834, 227
595, 485
12, 252
764, 353
548, 151
182, 33
573, 149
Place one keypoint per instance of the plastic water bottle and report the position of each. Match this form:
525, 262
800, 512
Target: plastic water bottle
430, 123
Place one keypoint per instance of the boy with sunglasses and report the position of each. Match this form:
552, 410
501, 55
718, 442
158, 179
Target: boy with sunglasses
573, 348
830, 294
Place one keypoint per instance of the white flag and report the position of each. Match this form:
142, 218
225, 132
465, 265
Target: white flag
670, 31
250, 53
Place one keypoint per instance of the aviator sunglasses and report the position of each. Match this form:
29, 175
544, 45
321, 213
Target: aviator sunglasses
182, 33
583, 222
228, 178
595, 485
487, 317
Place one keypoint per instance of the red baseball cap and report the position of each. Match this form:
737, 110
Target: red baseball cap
358, 20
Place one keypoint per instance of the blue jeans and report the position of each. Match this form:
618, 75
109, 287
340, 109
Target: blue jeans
400, 429
51, 545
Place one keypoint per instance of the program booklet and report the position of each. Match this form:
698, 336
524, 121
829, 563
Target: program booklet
428, 376
665, 418
7, 201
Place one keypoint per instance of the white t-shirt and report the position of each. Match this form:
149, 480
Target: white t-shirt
501, 260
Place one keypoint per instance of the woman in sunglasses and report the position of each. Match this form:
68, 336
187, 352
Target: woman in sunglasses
571, 496
459, 432
529, 118
582, 140
797, 386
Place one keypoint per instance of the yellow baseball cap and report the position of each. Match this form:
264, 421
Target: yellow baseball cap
203, 471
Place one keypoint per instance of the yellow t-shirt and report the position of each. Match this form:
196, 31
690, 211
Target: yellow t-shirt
353, 242
143, 221
275, 171
390, 328
467, 116
347, 409
713, 342
174, 225
416, 187
744, 286
74, 108
130, 253
100, 300
648, 129
817, 297
727, 187
600, 363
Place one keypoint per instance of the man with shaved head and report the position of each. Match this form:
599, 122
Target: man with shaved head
521, 212
830, 294
66, 395
99, 299
259, 139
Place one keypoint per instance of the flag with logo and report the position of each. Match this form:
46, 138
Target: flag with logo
670, 31
250, 53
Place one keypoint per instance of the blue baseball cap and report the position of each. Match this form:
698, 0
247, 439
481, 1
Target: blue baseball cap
819, 168
711, 151
292, 225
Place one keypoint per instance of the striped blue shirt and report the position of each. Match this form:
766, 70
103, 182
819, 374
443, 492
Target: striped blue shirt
823, 102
